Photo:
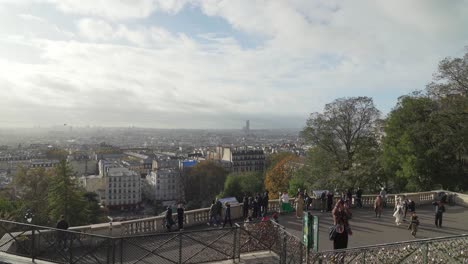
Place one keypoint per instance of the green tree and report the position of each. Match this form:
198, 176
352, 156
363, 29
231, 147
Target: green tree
32, 186
415, 147
343, 137
238, 184
65, 197
451, 77
203, 182
93, 210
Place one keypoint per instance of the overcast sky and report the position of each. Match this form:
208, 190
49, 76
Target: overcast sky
214, 63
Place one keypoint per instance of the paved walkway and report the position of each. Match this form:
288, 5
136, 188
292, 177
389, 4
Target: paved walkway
368, 230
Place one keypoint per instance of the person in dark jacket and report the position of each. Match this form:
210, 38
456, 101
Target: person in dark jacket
259, 204
329, 201
180, 217
323, 201
227, 214
439, 211
265, 203
254, 205
61, 235
168, 219
411, 206
359, 198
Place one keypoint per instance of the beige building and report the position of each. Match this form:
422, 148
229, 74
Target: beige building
123, 188
240, 159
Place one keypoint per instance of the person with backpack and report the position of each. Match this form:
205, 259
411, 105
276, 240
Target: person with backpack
439, 211
413, 226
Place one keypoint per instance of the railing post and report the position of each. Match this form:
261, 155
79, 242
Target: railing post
284, 251
180, 247
425, 252
33, 240
234, 246
111, 254
121, 249
70, 249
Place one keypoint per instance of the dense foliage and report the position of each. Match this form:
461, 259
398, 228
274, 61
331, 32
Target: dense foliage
202, 183
238, 184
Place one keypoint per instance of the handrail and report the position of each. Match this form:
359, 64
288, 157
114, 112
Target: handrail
394, 244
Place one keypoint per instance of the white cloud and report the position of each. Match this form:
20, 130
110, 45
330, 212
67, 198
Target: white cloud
118, 9
113, 70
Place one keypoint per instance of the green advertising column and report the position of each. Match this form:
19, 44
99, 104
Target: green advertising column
310, 226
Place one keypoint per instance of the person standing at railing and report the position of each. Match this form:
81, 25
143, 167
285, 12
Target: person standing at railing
359, 198
383, 194
265, 203
341, 216
219, 210
180, 217
349, 197
62, 235
299, 205
254, 205
168, 219
329, 201
212, 214
245, 206
323, 201
259, 199
285, 205
227, 214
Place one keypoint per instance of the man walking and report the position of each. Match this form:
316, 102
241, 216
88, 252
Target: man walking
245, 207
439, 211
329, 201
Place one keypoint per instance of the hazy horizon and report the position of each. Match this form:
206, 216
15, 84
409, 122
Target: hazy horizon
212, 64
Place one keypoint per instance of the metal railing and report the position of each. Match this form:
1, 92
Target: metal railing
442, 250
209, 245
64, 246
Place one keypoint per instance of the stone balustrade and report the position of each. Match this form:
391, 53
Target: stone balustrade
201, 216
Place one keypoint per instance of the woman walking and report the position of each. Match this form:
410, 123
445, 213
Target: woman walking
398, 212
299, 205
341, 216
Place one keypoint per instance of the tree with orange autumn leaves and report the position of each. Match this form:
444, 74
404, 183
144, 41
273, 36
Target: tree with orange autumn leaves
278, 175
